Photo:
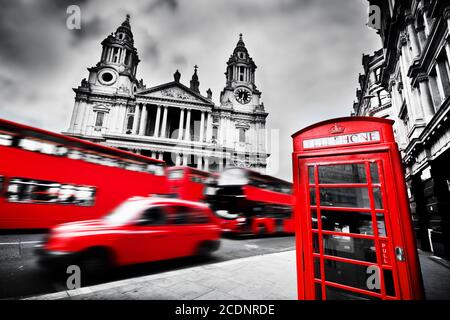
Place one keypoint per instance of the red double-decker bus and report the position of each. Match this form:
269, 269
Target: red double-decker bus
188, 183
248, 202
48, 178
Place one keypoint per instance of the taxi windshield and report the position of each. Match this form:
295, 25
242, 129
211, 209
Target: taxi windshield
124, 213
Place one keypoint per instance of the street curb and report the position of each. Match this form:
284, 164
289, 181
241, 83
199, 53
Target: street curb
120, 283
441, 261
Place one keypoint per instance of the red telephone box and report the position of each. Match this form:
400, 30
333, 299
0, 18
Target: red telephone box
353, 225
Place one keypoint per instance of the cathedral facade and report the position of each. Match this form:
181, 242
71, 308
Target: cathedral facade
172, 122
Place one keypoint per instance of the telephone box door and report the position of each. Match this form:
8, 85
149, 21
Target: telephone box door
352, 243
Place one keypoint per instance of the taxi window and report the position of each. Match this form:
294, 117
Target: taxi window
154, 216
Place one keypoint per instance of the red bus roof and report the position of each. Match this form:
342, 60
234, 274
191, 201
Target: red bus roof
268, 178
28, 131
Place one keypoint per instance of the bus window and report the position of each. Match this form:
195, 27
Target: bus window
1, 184
156, 169
25, 190
233, 177
74, 154
176, 174
85, 196
5, 140
61, 151
67, 194
196, 179
35, 191
37, 146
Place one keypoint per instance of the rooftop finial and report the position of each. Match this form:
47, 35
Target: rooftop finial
194, 81
177, 76
240, 36
128, 17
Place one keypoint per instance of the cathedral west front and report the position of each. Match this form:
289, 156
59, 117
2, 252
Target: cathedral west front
172, 121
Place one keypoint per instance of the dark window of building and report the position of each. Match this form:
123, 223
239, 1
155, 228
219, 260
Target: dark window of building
100, 118
241, 73
130, 121
241, 135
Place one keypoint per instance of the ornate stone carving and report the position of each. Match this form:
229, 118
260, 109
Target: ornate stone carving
177, 93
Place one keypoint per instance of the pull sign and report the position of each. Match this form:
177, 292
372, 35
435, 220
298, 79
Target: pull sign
399, 254
359, 137
384, 252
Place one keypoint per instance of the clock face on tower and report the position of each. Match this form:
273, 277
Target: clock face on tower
243, 95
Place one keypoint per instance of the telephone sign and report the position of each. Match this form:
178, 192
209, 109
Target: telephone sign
354, 233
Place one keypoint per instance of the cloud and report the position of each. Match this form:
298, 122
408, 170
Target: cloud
308, 54
172, 5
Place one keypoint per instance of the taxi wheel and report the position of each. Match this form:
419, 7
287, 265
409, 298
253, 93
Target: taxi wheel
95, 263
204, 249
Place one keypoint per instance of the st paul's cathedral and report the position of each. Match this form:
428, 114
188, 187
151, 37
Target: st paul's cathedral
172, 121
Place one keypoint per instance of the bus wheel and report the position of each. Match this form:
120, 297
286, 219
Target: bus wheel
262, 230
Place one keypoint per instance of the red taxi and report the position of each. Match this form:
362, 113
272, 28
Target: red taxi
139, 230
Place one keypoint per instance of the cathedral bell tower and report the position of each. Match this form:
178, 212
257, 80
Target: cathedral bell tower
241, 117
116, 71
240, 89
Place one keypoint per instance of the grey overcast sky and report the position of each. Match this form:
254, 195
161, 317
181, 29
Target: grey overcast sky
308, 54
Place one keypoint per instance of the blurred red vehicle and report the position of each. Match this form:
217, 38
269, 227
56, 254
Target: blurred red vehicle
248, 202
139, 230
48, 178
188, 183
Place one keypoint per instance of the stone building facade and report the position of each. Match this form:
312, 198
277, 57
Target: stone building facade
172, 121
414, 69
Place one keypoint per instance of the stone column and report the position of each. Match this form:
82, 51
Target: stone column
187, 135
206, 164
121, 118
76, 110
180, 126
143, 124
158, 120
425, 97
202, 126
221, 164
410, 101
199, 162
154, 155
209, 127
178, 159
160, 156
185, 159
164, 123
412, 36
136, 119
